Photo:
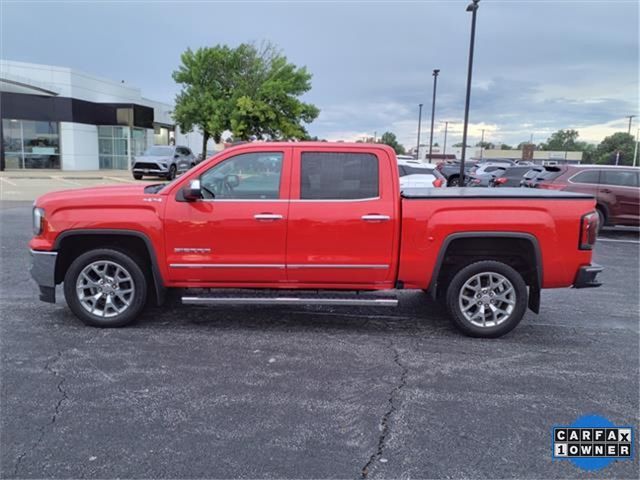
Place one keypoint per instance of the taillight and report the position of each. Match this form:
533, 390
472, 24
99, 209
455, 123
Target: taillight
500, 181
437, 182
588, 230
551, 186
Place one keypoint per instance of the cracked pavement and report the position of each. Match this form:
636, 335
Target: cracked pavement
308, 392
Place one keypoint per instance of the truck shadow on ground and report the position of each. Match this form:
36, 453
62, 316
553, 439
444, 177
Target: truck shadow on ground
417, 313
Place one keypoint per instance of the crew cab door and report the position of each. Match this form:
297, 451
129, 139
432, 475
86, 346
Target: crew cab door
343, 222
236, 234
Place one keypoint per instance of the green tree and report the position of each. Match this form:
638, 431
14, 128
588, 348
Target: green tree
251, 91
618, 142
504, 146
562, 140
589, 152
486, 145
390, 139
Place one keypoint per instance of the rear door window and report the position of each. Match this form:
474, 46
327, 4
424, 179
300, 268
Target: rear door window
589, 176
338, 176
620, 178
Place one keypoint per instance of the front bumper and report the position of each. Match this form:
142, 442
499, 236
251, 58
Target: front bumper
586, 277
148, 169
43, 271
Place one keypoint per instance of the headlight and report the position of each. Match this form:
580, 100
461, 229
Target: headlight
38, 220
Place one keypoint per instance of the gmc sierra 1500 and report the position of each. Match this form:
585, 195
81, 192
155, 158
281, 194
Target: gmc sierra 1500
323, 223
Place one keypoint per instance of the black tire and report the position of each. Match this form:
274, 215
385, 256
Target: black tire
138, 297
467, 273
172, 172
137, 176
602, 218
453, 181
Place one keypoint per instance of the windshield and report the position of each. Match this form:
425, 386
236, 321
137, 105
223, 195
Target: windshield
158, 151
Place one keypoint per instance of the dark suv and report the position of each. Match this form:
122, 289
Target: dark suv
617, 190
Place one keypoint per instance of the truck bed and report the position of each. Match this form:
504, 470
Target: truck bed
510, 192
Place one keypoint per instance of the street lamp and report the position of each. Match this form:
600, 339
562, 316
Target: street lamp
433, 110
482, 146
473, 8
629, 117
419, 123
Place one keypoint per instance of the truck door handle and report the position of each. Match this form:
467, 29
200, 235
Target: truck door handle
267, 216
605, 190
374, 217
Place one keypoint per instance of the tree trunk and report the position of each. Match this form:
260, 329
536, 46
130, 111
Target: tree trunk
205, 139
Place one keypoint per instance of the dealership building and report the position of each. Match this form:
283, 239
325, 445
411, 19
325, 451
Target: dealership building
59, 118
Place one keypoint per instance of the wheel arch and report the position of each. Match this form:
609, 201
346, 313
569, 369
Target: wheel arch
460, 243
72, 243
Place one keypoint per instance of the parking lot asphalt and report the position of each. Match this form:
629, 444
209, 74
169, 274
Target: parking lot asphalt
310, 392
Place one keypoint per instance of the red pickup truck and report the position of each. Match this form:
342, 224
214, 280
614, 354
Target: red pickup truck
310, 223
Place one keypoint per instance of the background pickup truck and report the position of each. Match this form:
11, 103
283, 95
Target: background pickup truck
311, 223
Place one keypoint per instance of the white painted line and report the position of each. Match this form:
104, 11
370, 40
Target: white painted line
126, 180
635, 242
8, 181
66, 181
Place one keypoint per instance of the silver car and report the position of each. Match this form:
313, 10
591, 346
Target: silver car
163, 161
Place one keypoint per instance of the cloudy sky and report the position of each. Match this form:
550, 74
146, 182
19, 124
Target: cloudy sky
540, 65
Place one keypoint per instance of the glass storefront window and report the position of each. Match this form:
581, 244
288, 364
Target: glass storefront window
31, 144
114, 143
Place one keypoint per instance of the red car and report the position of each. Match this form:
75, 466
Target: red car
310, 223
616, 189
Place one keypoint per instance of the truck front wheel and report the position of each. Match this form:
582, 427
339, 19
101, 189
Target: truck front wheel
105, 288
487, 299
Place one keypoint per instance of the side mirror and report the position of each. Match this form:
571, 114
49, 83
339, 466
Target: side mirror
192, 192
176, 156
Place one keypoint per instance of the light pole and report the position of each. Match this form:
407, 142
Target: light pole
481, 146
446, 127
419, 124
635, 149
630, 117
473, 8
433, 110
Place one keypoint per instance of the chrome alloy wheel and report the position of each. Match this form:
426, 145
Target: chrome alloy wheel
487, 299
105, 289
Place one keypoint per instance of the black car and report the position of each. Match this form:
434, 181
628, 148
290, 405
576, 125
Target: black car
514, 176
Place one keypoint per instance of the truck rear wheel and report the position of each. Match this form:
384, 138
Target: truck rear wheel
487, 299
105, 288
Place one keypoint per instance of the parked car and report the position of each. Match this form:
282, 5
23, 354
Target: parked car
538, 174
415, 174
513, 176
163, 161
450, 169
484, 174
616, 189
323, 224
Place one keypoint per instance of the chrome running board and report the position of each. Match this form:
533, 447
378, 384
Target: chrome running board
345, 301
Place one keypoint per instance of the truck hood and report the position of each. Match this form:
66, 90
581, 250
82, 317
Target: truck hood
95, 196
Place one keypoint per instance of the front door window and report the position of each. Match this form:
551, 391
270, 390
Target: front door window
249, 176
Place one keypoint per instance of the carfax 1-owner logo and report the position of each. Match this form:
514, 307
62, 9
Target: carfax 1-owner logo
592, 442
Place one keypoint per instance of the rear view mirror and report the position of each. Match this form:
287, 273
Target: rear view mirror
193, 191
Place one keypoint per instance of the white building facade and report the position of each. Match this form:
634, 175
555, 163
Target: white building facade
59, 118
